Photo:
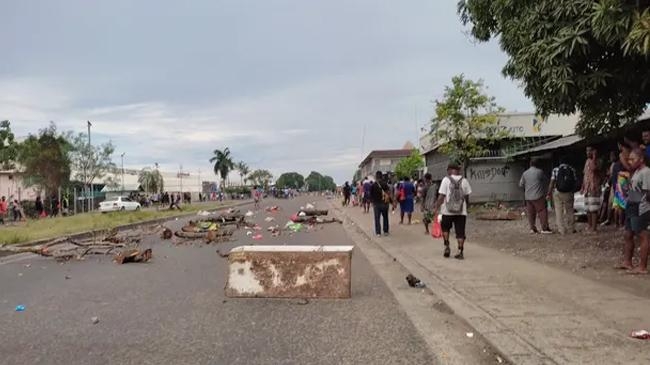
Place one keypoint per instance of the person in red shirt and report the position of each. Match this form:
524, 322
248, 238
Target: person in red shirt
3, 209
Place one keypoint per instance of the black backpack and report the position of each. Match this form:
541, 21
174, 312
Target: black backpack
565, 181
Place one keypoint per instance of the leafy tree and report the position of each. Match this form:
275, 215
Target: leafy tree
223, 164
317, 182
357, 175
261, 178
243, 169
8, 147
151, 180
408, 166
573, 55
292, 180
45, 159
466, 120
90, 162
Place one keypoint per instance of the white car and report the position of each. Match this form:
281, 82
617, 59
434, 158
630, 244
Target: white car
120, 204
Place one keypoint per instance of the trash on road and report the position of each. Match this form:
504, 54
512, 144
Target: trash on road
295, 227
269, 219
499, 359
94, 320
640, 335
309, 206
249, 233
414, 282
249, 214
20, 308
257, 237
167, 234
470, 334
274, 208
133, 255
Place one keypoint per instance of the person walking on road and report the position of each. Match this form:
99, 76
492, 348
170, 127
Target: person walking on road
591, 188
637, 214
535, 186
346, 194
407, 203
40, 209
367, 187
381, 200
3, 209
453, 198
429, 197
564, 183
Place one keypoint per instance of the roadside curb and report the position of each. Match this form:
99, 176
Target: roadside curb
513, 348
87, 234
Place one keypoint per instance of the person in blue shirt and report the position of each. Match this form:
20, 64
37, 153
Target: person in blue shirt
407, 199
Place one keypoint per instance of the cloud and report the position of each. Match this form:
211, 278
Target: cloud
288, 86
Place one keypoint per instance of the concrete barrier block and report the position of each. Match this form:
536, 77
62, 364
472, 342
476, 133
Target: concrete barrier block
289, 272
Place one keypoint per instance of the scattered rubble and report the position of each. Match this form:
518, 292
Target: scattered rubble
640, 335
94, 320
133, 255
414, 282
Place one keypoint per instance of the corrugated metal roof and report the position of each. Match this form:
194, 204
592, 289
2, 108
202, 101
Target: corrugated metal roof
558, 143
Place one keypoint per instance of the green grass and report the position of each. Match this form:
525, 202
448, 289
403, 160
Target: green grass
56, 227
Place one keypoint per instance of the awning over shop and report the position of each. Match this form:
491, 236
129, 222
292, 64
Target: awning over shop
558, 143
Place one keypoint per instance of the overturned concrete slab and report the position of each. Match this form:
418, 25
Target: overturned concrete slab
289, 272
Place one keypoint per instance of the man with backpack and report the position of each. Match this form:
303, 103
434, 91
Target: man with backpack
453, 198
381, 200
564, 183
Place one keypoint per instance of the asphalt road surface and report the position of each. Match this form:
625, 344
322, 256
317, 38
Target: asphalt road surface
172, 311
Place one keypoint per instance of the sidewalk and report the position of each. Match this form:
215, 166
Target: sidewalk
532, 313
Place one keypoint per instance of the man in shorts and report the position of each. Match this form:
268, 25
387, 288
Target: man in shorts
453, 198
637, 214
591, 188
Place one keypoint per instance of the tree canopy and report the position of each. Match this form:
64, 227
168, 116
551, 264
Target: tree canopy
243, 169
466, 120
261, 177
223, 163
45, 159
8, 146
572, 56
317, 182
292, 180
408, 166
151, 180
90, 162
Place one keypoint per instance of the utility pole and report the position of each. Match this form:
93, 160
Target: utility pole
122, 155
90, 164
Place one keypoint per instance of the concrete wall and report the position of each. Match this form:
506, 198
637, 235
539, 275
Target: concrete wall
12, 184
495, 180
379, 164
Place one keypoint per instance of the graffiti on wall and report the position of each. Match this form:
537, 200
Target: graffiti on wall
488, 173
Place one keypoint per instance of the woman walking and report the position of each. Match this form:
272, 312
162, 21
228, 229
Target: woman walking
407, 202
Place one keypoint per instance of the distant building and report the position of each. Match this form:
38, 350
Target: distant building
495, 175
11, 184
382, 160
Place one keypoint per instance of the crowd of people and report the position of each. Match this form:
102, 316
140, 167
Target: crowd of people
614, 193
386, 193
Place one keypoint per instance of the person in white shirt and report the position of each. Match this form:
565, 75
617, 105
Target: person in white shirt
453, 198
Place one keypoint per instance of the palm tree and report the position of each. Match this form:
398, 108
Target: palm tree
222, 164
243, 169
151, 180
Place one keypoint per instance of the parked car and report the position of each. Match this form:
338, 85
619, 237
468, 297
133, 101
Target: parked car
120, 204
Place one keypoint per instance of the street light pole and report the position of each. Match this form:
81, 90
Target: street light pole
122, 155
90, 163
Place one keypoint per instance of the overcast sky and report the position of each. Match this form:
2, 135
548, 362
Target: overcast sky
287, 85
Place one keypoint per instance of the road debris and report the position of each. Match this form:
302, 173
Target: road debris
222, 254
272, 209
414, 282
167, 234
133, 255
640, 335
269, 219
470, 334
94, 320
249, 214
257, 237
67, 277
20, 308
499, 359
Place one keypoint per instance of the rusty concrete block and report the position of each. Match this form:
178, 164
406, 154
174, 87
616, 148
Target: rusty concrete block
289, 272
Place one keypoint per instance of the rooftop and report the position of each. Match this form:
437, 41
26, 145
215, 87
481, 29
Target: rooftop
386, 154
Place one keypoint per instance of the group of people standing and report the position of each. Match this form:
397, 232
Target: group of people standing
616, 194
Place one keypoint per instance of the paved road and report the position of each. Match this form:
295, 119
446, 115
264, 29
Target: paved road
172, 311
